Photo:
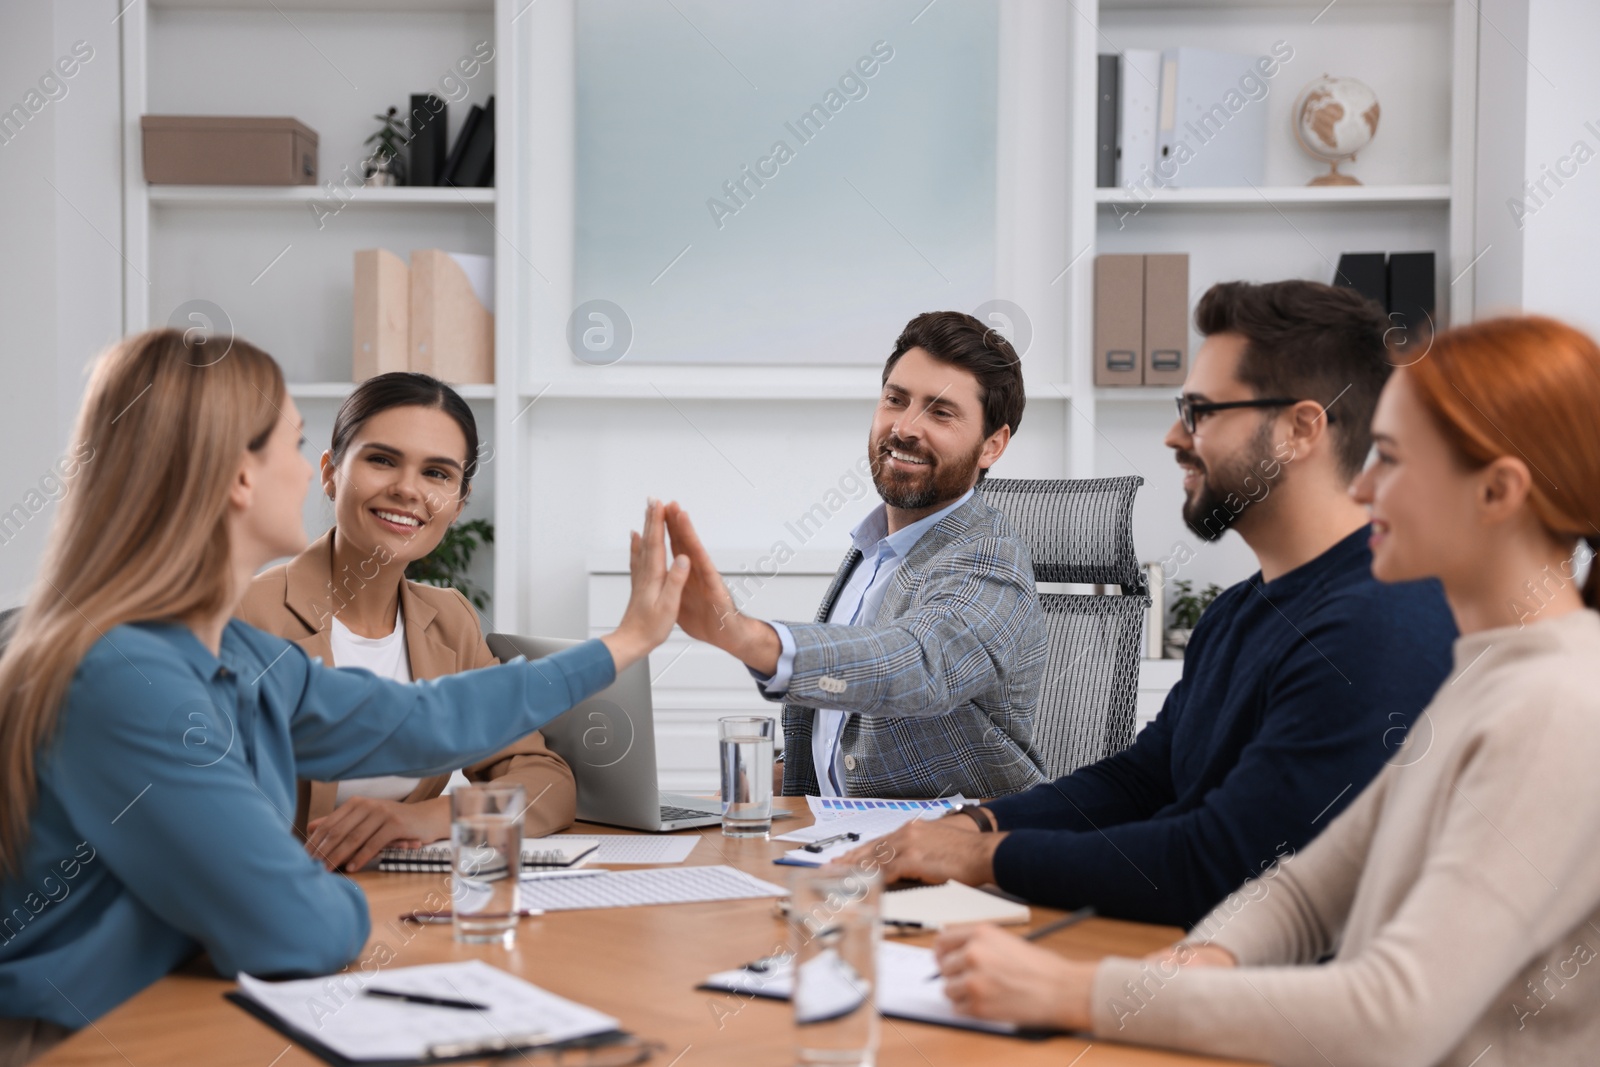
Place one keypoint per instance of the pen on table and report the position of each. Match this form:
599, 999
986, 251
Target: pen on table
541, 876
821, 843
1072, 918
422, 998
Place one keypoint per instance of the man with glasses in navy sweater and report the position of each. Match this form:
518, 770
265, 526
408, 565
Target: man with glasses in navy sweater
1298, 682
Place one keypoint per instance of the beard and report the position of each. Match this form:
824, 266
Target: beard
938, 483
1206, 512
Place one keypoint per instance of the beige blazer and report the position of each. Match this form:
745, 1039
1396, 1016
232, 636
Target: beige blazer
297, 600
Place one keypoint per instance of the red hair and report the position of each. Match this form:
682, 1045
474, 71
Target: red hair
1528, 387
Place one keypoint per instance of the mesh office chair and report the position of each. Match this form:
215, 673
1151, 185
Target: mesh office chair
1080, 531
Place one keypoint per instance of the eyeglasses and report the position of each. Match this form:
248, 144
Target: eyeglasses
1190, 410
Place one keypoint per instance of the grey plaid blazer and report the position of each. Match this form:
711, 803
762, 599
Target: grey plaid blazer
945, 683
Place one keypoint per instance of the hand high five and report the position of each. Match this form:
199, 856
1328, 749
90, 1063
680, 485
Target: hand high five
657, 589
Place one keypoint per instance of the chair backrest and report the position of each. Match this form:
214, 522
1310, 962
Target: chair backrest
1081, 531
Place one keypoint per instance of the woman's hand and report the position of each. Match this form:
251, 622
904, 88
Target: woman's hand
352, 835
657, 590
991, 974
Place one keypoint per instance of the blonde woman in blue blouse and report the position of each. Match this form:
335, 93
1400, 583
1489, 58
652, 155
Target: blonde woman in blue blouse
150, 745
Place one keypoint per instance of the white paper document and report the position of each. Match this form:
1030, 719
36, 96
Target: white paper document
835, 807
657, 885
635, 848
905, 990
835, 822
334, 1011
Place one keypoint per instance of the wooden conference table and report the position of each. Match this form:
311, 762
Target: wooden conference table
638, 964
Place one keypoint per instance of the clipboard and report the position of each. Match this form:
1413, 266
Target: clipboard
328, 1055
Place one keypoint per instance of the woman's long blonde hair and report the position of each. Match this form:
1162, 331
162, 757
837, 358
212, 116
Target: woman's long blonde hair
142, 531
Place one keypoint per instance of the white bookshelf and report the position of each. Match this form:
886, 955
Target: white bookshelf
1279, 195
340, 390
300, 195
1420, 57
278, 260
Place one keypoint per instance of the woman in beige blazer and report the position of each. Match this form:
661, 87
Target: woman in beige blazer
399, 471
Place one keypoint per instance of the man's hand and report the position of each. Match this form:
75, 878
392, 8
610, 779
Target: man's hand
655, 591
944, 850
995, 975
707, 611
352, 835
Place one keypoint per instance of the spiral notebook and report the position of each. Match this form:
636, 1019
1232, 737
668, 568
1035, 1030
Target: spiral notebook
536, 852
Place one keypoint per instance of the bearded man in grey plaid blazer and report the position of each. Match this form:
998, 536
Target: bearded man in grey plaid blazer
920, 676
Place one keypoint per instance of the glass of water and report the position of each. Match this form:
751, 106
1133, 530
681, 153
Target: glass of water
835, 932
746, 742
486, 861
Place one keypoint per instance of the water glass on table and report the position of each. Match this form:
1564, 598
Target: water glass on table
746, 743
486, 861
835, 931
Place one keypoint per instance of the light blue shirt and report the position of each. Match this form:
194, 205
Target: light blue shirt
882, 553
167, 794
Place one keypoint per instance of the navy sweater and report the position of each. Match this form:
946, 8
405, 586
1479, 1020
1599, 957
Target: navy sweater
1294, 693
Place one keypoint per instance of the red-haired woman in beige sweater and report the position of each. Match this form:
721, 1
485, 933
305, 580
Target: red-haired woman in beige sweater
1459, 895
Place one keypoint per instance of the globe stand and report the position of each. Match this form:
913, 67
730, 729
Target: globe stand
1333, 177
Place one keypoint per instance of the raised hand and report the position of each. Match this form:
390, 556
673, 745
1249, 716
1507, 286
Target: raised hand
657, 590
707, 611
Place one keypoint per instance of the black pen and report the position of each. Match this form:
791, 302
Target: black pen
817, 846
421, 998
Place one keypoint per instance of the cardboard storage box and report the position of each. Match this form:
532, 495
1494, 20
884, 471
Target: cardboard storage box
226, 150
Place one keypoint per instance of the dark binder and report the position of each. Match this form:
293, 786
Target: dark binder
1411, 306
429, 139
475, 166
463, 136
1106, 123
1366, 273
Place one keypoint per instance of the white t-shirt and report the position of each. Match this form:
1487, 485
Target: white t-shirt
387, 658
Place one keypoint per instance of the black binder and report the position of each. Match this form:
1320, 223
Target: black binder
429, 139
1106, 104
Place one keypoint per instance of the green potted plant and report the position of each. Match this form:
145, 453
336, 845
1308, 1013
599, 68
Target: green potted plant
446, 566
1187, 607
386, 166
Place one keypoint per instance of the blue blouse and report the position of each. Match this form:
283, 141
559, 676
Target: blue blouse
167, 794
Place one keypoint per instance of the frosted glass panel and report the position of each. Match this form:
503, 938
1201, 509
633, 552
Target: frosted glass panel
783, 182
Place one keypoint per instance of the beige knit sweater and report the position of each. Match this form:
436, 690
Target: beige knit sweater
1459, 894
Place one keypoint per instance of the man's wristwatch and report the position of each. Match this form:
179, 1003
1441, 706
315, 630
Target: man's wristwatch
976, 813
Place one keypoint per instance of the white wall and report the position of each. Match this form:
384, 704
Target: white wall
1538, 115
60, 279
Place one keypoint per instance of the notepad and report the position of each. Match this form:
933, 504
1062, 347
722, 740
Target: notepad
950, 904
536, 852
907, 988
334, 1013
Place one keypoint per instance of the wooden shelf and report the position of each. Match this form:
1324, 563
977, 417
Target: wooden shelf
242, 195
340, 390
1280, 195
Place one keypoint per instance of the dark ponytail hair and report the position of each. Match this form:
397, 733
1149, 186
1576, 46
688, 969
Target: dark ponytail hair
400, 389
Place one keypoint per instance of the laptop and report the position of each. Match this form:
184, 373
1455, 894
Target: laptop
609, 741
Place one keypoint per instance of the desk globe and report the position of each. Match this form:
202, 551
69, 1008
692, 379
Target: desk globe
1334, 118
